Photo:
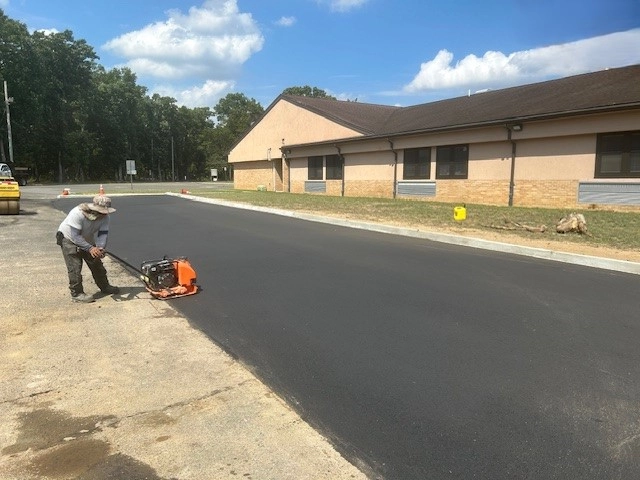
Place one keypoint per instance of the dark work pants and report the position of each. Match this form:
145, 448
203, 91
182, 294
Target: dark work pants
73, 258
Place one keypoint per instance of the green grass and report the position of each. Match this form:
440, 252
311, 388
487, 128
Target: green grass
609, 229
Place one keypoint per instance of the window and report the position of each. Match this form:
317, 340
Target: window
315, 168
417, 163
452, 161
334, 167
618, 155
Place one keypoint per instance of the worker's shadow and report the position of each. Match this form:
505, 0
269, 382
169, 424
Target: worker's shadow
126, 294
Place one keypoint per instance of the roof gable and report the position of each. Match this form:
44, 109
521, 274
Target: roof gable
366, 118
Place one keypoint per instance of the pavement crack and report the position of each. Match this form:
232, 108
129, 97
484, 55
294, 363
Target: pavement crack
25, 397
183, 403
625, 442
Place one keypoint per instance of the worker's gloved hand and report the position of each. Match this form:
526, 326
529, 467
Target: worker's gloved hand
97, 252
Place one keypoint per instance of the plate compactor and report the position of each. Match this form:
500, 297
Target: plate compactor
166, 278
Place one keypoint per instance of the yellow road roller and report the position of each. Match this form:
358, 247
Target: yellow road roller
9, 196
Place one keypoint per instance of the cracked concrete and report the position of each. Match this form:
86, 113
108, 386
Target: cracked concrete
125, 387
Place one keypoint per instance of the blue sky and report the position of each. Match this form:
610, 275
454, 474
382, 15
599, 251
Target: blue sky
395, 52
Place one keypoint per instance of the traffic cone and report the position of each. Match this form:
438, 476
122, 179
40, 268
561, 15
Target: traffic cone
101, 192
65, 191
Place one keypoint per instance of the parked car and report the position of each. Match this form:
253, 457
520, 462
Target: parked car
20, 174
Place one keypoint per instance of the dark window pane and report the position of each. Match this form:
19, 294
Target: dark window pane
611, 163
618, 155
634, 162
612, 143
452, 161
334, 167
417, 163
315, 168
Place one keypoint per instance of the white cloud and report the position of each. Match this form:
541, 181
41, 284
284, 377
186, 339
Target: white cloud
496, 69
48, 31
286, 21
343, 5
206, 95
209, 42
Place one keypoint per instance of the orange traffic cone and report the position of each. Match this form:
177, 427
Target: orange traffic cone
101, 192
65, 191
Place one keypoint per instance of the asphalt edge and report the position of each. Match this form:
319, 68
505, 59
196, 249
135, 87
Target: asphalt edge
541, 253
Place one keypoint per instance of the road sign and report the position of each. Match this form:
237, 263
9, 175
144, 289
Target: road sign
131, 167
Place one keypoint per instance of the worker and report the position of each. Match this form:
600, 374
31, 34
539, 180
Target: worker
82, 236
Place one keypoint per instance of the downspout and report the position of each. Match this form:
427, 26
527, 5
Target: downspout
273, 169
513, 167
511, 128
287, 164
395, 168
342, 167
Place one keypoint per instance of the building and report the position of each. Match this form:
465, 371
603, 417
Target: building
572, 142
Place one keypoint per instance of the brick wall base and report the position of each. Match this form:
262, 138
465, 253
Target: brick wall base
248, 175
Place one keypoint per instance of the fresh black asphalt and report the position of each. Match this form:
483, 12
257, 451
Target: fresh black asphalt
421, 359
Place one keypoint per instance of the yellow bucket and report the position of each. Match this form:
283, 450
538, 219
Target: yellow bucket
460, 213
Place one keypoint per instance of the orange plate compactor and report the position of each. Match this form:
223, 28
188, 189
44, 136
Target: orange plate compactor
166, 278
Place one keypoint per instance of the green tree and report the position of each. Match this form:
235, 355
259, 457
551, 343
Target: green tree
235, 114
116, 114
64, 73
307, 91
17, 69
160, 114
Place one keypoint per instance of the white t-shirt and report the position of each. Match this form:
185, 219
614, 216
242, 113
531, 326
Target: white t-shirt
83, 232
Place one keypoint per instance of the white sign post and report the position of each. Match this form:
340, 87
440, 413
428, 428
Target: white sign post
131, 170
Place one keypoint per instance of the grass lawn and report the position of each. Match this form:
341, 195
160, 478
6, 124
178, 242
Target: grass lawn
620, 230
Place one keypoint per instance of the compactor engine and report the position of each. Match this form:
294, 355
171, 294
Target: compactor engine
168, 278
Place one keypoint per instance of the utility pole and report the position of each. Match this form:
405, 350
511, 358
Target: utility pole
173, 171
7, 101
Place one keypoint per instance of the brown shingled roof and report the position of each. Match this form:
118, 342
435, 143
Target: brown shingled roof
591, 92
366, 118
604, 90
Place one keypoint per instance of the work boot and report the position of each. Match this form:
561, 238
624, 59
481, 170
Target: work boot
110, 290
82, 298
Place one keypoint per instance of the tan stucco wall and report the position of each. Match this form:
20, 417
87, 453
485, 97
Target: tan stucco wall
285, 123
371, 166
560, 158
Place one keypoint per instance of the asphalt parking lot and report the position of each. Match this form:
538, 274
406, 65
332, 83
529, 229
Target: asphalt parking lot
126, 388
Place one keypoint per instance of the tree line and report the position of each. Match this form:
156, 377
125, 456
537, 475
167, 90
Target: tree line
73, 120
